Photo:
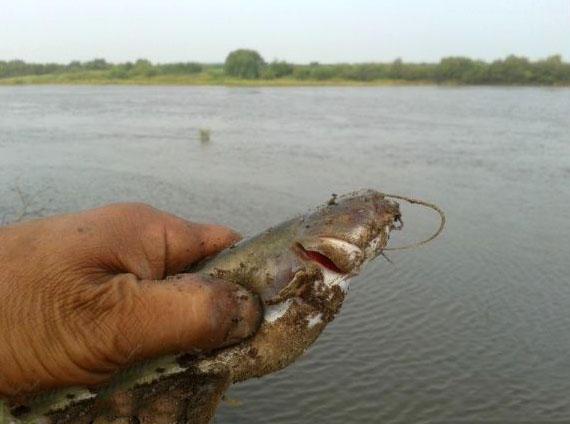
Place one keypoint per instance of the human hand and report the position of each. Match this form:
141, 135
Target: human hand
83, 295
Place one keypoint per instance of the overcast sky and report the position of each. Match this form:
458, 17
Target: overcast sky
294, 30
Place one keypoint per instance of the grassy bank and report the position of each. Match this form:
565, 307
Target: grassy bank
203, 78
206, 79
247, 68
99, 78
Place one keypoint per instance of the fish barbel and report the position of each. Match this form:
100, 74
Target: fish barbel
299, 270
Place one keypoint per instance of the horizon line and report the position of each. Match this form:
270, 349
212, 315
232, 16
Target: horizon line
290, 62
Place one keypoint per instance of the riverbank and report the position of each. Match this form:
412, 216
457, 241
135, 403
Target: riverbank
200, 79
248, 68
207, 79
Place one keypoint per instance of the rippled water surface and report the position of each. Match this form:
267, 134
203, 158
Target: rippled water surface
473, 328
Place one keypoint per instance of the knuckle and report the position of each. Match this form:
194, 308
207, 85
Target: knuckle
155, 231
210, 297
154, 245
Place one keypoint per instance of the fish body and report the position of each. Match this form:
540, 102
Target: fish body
299, 269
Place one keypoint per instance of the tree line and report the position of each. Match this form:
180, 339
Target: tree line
142, 67
249, 64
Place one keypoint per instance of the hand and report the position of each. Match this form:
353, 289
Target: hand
85, 294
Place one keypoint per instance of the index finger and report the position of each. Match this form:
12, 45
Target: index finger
150, 243
192, 242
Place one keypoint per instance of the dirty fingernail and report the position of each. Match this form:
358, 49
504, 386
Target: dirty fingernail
247, 318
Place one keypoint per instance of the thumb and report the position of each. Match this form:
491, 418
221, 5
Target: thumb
184, 313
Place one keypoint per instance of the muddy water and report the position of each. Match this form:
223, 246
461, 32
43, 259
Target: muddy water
475, 327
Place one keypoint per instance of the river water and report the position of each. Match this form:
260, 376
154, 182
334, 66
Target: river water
472, 328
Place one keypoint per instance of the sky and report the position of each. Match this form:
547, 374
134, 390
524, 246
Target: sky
299, 31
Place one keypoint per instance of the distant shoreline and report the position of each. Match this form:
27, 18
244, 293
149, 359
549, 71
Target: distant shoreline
201, 79
207, 80
245, 83
247, 68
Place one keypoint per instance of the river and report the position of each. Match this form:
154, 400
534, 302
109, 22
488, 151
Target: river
472, 328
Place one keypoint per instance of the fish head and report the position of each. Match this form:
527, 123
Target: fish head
349, 231
301, 271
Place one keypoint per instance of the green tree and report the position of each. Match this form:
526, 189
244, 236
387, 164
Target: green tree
144, 68
363, 71
551, 70
396, 69
301, 72
323, 73
244, 63
512, 70
279, 69
96, 65
74, 66
180, 68
460, 69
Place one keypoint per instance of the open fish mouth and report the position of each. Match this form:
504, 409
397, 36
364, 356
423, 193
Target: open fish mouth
331, 253
340, 256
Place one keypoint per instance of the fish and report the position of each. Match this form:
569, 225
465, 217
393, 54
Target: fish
300, 270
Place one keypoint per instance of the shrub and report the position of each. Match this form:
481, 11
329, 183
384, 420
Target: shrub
96, 65
302, 72
322, 73
118, 72
143, 68
180, 68
280, 68
244, 63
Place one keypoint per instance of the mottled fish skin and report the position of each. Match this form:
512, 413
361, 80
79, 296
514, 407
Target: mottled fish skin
300, 271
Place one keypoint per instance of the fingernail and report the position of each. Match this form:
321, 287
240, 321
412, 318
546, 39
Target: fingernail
236, 236
247, 318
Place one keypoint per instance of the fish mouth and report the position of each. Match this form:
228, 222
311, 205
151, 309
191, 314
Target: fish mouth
318, 258
331, 253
